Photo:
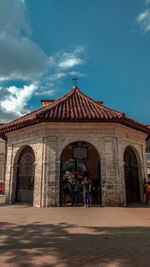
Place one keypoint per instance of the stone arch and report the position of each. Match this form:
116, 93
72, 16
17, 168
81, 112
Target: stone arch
68, 141
18, 151
78, 141
132, 166
23, 175
91, 163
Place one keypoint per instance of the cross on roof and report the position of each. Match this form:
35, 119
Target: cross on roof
75, 80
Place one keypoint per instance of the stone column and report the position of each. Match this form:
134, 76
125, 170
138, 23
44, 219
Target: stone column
103, 182
122, 189
57, 189
2, 158
9, 174
52, 199
142, 171
38, 183
112, 170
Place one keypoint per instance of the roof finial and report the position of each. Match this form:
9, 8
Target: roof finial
75, 81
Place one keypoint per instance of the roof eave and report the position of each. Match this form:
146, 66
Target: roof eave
122, 121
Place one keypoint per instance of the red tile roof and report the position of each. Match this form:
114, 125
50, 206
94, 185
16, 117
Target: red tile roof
46, 102
73, 107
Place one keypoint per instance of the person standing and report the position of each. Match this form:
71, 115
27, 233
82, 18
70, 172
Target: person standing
147, 192
66, 191
85, 184
90, 191
70, 179
75, 191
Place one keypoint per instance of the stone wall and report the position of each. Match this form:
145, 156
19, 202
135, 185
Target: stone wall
13, 151
2, 158
48, 140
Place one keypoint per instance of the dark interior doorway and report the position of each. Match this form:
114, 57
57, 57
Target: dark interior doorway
80, 159
25, 176
131, 176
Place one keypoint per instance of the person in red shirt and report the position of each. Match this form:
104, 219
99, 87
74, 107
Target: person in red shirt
148, 192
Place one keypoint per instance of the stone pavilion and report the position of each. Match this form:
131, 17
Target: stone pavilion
79, 133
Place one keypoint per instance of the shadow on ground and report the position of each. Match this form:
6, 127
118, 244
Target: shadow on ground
65, 245
138, 205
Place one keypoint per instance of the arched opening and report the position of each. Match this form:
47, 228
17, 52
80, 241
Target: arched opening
25, 176
80, 159
131, 176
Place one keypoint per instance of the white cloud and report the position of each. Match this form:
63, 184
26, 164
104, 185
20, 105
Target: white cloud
50, 92
77, 73
23, 59
57, 76
14, 100
147, 2
13, 19
69, 60
65, 60
15, 103
144, 20
61, 65
20, 57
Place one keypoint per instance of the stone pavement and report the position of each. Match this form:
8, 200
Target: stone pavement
74, 236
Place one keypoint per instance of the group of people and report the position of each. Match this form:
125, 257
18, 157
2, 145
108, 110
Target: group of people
146, 188
78, 189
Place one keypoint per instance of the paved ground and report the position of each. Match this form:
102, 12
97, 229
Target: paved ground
74, 236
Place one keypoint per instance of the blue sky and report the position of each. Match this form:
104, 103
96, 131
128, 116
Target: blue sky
105, 43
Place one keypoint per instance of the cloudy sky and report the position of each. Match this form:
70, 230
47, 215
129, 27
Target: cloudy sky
105, 43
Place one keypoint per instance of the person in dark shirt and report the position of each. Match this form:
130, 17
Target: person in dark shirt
86, 184
66, 191
75, 191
